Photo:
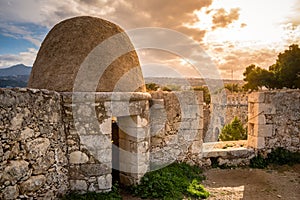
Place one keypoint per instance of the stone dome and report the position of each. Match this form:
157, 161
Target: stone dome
66, 48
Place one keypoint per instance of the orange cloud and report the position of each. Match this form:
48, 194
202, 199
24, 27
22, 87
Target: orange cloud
222, 19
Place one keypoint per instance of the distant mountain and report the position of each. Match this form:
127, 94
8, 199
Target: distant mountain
16, 70
14, 76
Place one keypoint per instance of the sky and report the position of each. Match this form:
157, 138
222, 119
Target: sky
234, 33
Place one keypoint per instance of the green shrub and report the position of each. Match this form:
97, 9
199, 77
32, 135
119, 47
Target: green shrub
279, 156
171, 182
233, 131
197, 190
258, 162
151, 87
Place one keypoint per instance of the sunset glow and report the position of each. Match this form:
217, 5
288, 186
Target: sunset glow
235, 33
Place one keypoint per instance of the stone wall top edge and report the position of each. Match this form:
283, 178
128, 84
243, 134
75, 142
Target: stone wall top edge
32, 90
107, 96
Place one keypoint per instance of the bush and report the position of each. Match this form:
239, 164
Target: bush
279, 156
233, 131
172, 182
151, 87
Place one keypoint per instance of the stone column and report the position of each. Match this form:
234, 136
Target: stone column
134, 148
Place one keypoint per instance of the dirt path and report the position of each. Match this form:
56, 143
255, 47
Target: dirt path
251, 184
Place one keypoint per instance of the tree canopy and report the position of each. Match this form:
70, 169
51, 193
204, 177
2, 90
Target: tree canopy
284, 73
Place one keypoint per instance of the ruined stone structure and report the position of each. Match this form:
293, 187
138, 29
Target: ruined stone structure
44, 153
176, 127
33, 148
274, 120
64, 52
236, 105
93, 133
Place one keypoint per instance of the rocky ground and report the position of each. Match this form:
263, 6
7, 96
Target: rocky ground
251, 184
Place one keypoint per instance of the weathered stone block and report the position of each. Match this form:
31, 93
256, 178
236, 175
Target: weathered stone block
256, 97
33, 184
26, 133
105, 126
37, 148
10, 192
196, 147
256, 142
94, 169
15, 171
78, 185
105, 182
78, 157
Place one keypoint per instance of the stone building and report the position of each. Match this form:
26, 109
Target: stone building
87, 121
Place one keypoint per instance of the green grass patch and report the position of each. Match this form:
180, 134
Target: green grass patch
175, 181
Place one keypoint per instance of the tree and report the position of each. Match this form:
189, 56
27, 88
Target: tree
257, 77
233, 131
284, 73
287, 68
233, 87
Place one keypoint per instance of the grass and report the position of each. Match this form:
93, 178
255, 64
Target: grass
175, 181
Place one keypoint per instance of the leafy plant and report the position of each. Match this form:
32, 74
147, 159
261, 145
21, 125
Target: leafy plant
197, 190
171, 182
233, 131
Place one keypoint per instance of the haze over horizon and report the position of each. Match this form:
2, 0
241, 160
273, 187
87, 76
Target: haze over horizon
234, 33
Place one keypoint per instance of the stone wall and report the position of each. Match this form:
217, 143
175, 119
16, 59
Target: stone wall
88, 124
176, 127
53, 143
236, 105
33, 161
274, 120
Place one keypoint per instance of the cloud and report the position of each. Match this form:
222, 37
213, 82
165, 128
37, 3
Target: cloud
173, 14
26, 58
222, 18
294, 18
237, 60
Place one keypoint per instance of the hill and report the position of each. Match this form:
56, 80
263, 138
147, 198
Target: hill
16, 70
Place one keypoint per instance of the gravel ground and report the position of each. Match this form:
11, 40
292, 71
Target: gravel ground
267, 184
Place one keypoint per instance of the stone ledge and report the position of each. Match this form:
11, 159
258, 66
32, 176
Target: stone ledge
104, 96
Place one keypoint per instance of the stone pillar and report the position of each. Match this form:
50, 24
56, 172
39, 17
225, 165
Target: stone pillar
134, 148
258, 129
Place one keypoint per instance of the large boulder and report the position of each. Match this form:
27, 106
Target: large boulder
67, 46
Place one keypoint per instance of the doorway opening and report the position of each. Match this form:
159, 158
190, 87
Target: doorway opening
115, 152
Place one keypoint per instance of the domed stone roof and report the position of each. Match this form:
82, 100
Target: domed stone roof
69, 54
